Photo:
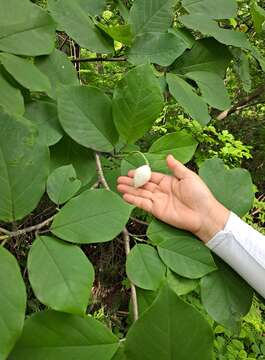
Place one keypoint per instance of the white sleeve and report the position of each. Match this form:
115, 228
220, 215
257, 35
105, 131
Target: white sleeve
243, 248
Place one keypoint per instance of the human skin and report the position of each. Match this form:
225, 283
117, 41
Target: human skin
182, 200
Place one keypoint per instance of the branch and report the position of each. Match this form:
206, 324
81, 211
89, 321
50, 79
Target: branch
10, 234
125, 235
80, 60
241, 104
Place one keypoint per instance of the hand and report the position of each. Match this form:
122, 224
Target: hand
181, 200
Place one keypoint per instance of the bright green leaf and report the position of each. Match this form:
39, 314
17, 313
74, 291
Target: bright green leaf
64, 336
11, 98
26, 29
92, 217
181, 285
62, 184
144, 267
226, 296
137, 102
181, 251
212, 89
24, 166
44, 115
91, 110
170, 329
73, 18
60, 275
188, 99
12, 302
218, 9
25, 73
233, 188
58, 69
258, 16
121, 33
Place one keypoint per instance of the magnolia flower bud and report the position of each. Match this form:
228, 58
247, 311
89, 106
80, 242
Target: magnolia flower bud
142, 176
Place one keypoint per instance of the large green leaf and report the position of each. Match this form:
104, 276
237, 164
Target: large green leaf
181, 251
181, 144
218, 9
44, 115
49, 335
181, 285
69, 152
258, 16
92, 7
158, 48
92, 217
207, 26
226, 296
58, 69
121, 33
12, 302
137, 102
25, 73
85, 113
73, 18
144, 267
60, 275
206, 55
26, 29
11, 98
62, 184
170, 329
233, 188
188, 99
24, 166
151, 16
212, 89
242, 67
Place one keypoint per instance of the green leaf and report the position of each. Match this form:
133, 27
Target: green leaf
181, 285
185, 35
158, 48
207, 26
24, 166
62, 184
258, 16
44, 115
145, 299
188, 99
137, 102
64, 336
169, 329
59, 70
60, 274
69, 152
233, 188
92, 111
212, 89
73, 18
121, 33
144, 267
92, 217
180, 144
226, 296
151, 16
242, 67
219, 9
11, 98
12, 302
206, 55
92, 7
26, 30
25, 73
181, 251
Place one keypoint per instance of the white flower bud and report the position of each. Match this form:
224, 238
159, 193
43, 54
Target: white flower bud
142, 176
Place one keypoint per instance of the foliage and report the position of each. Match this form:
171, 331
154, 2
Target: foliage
85, 85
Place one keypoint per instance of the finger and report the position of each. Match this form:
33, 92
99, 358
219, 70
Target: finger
140, 202
124, 180
125, 189
177, 168
156, 177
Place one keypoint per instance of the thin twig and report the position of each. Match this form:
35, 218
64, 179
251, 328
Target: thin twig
254, 95
96, 59
11, 234
139, 221
125, 235
64, 42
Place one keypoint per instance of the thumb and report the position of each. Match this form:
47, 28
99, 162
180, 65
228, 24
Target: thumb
177, 168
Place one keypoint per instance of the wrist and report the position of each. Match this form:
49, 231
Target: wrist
213, 221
